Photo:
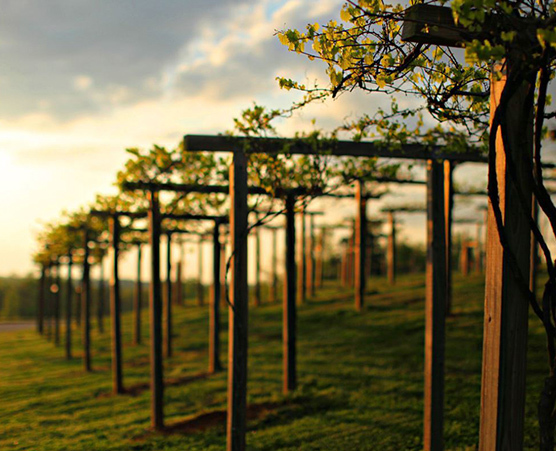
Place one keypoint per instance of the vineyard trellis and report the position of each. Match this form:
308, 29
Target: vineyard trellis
239, 190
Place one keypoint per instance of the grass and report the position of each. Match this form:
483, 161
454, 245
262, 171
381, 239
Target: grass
360, 381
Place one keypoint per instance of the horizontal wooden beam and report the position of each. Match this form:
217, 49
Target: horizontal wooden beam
199, 189
180, 187
431, 24
172, 231
404, 210
220, 143
177, 216
109, 214
194, 217
224, 189
399, 181
470, 193
467, 221
350, 195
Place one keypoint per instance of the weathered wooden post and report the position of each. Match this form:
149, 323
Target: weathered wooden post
505, 324
310, 265
319, 259
56, 297
391, 259
86, 304
48, 302
435, 308
344, 265
168, 298
257, 296
238, 311
360, 245
69, 300
101, 296
302, 267
78, 303
138, 298
214, 326
200, 287
179, 279
155, 310
351, 257
464, 257
448, 209
223, 282
479, 256
273, 290
369, 253
115, 306
289, 303
41, 300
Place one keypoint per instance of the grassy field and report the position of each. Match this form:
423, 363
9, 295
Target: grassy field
360, 381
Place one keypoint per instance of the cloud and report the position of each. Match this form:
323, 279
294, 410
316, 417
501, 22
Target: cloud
82, 82
244, 54
44, 46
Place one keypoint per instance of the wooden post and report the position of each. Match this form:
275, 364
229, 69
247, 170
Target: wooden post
369, 253
184, 272
115, 307
48, 303
435, 308
56, 291
391, 259
179, 282
200, 288
138, 299
168, 298
360, 245
448, 209
86, 304
69, 300
319, 260
41, 300
351, 258
257, 265
311, 257
485, 238
273, 290
223, 283
506, 309
479, 256
155, 310
289, 303
78, 303
344, 265
238, 310
101, 295
214, 332
464, 257
301, 280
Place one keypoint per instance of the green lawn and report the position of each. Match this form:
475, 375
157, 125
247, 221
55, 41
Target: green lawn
360, 381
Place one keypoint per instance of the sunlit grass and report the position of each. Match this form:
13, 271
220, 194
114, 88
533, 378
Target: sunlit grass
360, 380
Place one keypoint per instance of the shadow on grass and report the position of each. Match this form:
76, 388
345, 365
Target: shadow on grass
137, 389
261, 415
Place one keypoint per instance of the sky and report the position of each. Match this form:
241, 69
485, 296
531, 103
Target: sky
80, 81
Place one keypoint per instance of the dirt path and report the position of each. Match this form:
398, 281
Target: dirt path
10, 327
